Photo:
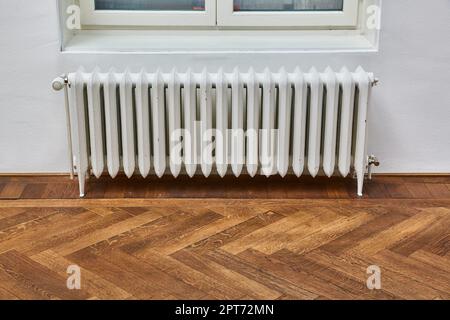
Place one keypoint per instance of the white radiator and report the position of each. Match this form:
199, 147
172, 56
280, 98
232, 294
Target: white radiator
226, 123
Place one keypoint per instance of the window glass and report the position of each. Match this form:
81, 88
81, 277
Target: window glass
150, 5
288, 5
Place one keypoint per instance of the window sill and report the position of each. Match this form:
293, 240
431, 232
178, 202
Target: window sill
224, 41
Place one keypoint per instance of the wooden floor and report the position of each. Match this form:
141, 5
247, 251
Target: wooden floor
225, 239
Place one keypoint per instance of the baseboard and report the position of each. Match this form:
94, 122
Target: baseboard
411, 174
44, 174
59, 174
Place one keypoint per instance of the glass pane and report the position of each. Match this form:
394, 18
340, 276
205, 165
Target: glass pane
150, 5
288, 5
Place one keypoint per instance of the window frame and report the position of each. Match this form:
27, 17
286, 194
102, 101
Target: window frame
220, 13
92, 17
227, 17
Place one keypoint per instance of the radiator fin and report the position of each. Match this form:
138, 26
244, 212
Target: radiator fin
237, 120
331, 117
315, 123
111, 124
253, 121
95, 124
268, 125
127, 122
299, 123
190, 117
76, 101
143, 124
206, 124
361, 130
346, 125
174, 115
284, 123
159, 120
222, 124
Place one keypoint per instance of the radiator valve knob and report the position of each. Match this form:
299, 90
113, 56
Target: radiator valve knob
58, 84
373, 161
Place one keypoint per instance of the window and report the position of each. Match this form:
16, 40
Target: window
221, 13
288, 13
149, 12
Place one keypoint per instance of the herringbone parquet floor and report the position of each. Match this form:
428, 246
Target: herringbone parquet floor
259, 241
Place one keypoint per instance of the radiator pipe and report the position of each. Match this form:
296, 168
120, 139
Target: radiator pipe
60, 83
372, 162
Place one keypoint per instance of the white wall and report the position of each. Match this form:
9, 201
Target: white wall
410, 118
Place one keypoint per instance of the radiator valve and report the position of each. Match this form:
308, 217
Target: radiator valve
375, 82
59, 83
372, 161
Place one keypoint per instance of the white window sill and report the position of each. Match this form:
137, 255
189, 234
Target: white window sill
224, 41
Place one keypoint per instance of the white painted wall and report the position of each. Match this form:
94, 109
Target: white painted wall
410, 118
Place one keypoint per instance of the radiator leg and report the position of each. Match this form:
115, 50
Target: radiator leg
82, 183
360, 182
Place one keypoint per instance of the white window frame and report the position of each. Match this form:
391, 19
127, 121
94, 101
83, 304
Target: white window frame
90, 16
226, 16
179, 39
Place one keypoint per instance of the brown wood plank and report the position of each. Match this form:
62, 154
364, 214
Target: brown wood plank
262, 276
392, 282
28, 273
25, 236
56, 190
400, 231
121, 277
431, 237
247, 285
398, 191
344, 286
419, 190
438, 190
24, 216
163, 230
80, 234
440, 245
215, 288
12, 190
34, 191
295, 274
442, 263
6, 295
236, 232
93, 284
376, 190
222, 227
274, 234
337, 190
101, 234
351, 239
425, 273
152, 275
